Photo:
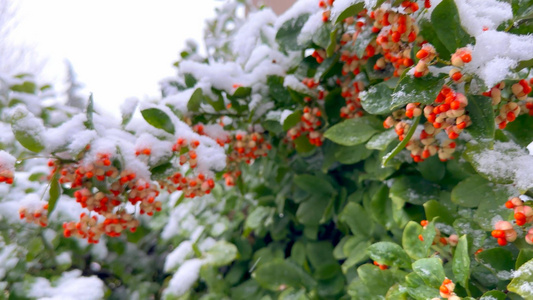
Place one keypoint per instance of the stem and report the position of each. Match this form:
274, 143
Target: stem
442, 61
442, 252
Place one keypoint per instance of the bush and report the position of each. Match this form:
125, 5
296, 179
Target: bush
370, 150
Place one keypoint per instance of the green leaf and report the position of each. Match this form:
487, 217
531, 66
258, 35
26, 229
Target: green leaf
322, 37
411, 242
351, 155
411, 89
242, 92
378, 281
381, 207
190, 81
432, 169
353, 131
330, 50
287, 35
30, 141
162, 171
195, 101
469, 192
413, 189
355, 216
54, 193
309, 184
158, 119
482, 114
516, 130
382, 140
221, 254
303, 145
350, 12
356, 255
292, 120
521, 283
320, 253
89, 112
27, 87
377, 100
390, 254
275, 274
445, 19
435, 209
402, 144
493, 295
430, 270
461, 262
310, 212
524, 256
497, 260
427, 31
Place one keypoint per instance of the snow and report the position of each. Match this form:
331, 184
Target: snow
128, 106
59, 137
178, 256
507, 160
248, 36
70, 286
476, 15
184, 278
284, 114
299, 8
294, 83
310, 28
8, 258
7, 162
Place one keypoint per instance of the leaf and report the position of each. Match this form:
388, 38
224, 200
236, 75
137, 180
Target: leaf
29, 140
430, 270
413, 246
162, 171
357, 255
521, 283
411, 89
461, 262
89, 112
378, 281
292, 120
303, 145
469, 192
242, 92
413, 189
516, 130
427, 31
351, 155
382, 140
493, 295
190, 81
309, 184
435, 209
287, 35
355, 216
385, 160
482, 114
432, 169
445, 19
497, 260
195, 101
330, 50
350, 12
390, 254
221, 254
377, 99
310, 212
158, 119
353, 131
275, 274
54, 193
524, 256
320, 253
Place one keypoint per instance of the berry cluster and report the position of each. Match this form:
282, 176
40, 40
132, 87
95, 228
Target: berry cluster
191, 186
103, 189
425, 55
309, 125
380, 266
350, 92
452, 240
38, 215
326, 5
89, 228
446, 114
461, 57
523, 214
6, 176
446, 290
244, 148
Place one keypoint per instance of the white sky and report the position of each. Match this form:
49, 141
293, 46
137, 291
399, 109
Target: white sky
118, 48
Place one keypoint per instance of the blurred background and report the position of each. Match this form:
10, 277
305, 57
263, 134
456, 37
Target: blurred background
114, 49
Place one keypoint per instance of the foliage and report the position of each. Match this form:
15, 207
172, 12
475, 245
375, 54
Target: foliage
271, 169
